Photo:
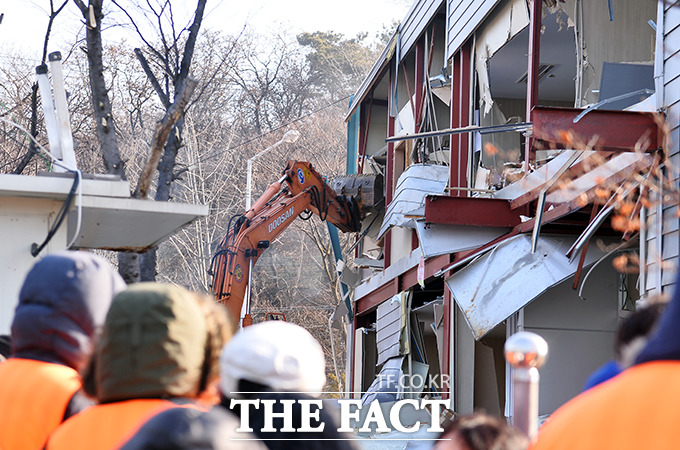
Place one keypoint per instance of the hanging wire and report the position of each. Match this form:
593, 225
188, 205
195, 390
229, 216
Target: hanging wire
77, 185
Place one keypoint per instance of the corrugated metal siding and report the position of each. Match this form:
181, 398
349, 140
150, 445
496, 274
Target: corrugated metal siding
671, 223
389, 324
415, 22
652, 249
664, 220
463, 18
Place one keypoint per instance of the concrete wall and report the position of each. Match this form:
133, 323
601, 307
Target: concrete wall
23, 221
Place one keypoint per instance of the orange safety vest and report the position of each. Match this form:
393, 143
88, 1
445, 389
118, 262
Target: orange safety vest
637, 409
33, 399
106, 426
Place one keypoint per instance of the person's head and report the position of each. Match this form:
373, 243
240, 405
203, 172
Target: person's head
62, 305
480, 431
274, 355
633, 332
153, 345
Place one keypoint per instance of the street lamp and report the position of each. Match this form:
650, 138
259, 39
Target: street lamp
288, 138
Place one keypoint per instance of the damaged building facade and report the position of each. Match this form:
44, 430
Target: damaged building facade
514, 136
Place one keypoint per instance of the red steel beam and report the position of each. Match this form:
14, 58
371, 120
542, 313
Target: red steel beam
557, 212
446, 344
483, 212
400, 283
460, 117
432, 265
373, 299
615, 130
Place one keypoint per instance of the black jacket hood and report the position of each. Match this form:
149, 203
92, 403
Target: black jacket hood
62, 304
664, 343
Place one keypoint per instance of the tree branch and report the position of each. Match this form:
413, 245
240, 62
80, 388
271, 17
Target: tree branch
53, 15
161, 134
152, 78
191, 41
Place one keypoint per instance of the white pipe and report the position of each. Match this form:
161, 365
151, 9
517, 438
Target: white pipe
61, 104
249, 176
659, 55
289, 137
349, 356
48, 110
335, 362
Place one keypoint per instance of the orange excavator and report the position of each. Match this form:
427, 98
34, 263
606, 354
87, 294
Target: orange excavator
300, 191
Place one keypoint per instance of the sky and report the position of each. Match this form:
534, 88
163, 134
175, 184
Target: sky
25, 21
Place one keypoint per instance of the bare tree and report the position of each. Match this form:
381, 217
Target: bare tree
174, 56
34, 92
101, 104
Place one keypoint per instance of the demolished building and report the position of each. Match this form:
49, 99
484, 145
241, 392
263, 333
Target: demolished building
509, 134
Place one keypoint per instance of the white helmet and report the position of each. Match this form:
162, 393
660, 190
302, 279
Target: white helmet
278, 354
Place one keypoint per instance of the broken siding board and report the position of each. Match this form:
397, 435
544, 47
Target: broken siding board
464, 17
496, 285
389, 325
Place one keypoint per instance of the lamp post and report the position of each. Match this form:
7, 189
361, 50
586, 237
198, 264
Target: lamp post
526, 353
288, 138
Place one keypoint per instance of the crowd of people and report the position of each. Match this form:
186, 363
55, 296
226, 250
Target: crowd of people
94, 364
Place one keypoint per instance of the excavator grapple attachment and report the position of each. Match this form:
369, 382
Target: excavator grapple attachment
365, 189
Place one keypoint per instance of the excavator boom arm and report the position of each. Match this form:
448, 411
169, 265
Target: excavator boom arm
305, 190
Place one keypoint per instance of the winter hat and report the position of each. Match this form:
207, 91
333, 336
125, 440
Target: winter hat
277, 354
62, 305
153, 345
